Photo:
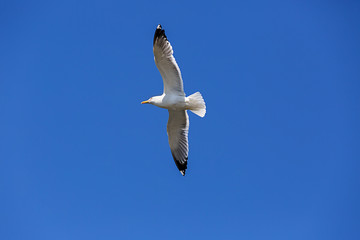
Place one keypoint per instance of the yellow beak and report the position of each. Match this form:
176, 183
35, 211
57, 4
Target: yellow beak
147, 101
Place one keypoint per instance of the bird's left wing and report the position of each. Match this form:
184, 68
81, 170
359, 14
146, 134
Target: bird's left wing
177, 130
165, 62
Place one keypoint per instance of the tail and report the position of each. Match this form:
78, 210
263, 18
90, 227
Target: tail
197, 104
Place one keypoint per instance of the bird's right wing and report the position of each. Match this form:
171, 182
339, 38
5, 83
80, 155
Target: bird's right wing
177, 130
165, 62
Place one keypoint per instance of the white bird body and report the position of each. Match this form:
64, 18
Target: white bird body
175, 100
171, 102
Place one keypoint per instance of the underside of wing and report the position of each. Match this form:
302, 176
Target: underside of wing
165, 62
177, 130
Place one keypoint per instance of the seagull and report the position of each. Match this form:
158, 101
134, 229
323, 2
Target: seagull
174, 99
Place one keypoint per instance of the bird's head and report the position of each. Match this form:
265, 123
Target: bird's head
150, 100
156, 100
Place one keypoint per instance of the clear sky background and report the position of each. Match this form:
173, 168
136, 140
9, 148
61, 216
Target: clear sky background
276, 156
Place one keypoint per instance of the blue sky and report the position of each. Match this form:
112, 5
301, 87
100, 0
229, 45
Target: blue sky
276, 156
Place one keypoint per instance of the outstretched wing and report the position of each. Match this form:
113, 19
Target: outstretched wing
177, 130
165, 62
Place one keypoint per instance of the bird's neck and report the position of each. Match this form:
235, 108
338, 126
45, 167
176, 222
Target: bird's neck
158, 100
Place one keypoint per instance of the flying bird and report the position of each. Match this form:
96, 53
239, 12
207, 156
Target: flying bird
174, 99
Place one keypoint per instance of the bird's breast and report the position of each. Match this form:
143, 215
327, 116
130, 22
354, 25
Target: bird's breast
174, 102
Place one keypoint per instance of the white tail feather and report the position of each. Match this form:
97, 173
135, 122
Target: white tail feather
197, 104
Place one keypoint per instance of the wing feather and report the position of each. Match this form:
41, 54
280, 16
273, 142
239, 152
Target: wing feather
165, 62
177, 130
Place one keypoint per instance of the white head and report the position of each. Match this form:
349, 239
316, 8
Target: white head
154, 100
147, 101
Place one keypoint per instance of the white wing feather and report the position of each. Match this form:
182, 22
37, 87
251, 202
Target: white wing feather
177, 130
165, 62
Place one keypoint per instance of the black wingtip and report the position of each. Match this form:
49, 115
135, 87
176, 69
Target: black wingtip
181, 165
159, 32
